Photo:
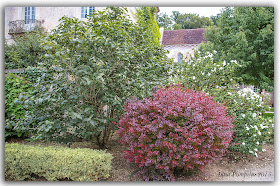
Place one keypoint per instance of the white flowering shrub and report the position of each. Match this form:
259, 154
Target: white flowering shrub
251, 129
202, 73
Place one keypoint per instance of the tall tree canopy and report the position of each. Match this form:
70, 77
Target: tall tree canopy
165, 21
182, 21
189, 21
246, 34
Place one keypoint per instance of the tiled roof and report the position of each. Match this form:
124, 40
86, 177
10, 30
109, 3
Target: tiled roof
183, 36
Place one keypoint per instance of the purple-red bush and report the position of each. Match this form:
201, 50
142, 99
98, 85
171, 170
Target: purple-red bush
174, 129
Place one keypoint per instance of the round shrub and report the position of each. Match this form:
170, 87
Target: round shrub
174, 129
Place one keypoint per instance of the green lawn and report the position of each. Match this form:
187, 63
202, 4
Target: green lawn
271, 109
268, 115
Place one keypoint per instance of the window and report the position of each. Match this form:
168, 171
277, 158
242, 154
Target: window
87, 11
180, 57
29, 15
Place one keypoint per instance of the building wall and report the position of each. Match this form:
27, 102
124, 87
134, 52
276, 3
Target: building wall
51, 15
12, 14
185, 50
48, 15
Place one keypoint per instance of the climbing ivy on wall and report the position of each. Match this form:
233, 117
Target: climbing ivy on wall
145, 16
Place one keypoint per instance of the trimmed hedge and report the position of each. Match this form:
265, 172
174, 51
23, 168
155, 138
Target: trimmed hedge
24, 162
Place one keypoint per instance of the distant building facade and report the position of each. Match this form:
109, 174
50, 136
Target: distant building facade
181, 43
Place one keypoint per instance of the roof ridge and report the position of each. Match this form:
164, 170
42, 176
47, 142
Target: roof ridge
187, 29
183, 36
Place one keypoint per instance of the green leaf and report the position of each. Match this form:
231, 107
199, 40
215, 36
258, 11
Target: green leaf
19, 134
92, 123
76, 115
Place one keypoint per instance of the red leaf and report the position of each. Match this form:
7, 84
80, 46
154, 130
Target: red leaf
177, 126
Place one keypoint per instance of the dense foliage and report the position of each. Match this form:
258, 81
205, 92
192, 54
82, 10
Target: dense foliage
31, 74
76, 81
246, 34
26, 51
174, 129
182, 21
164, 21
217, 79
90, 69
189, 21
146, 17
27, 162
16, 88
203, 73
251, 129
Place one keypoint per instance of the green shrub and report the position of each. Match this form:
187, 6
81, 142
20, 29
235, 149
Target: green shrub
24, 162
32, 74
92, 67
16, 90
251, 128
216, 79
27, 51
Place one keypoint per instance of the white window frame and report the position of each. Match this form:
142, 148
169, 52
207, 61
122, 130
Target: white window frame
29, 15
87, 11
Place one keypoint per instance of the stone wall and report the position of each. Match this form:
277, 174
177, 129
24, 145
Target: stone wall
185, 50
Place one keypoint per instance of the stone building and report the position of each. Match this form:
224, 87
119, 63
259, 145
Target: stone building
181, 43
19, 20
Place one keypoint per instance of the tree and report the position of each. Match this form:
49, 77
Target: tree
189, 21
92, 68
164, 20
146, 18
182, 21
175, 15
246, 34
215, 18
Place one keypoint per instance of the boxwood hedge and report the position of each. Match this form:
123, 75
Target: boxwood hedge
26, 162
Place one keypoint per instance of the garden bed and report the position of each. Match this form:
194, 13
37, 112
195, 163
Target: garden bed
232, 167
